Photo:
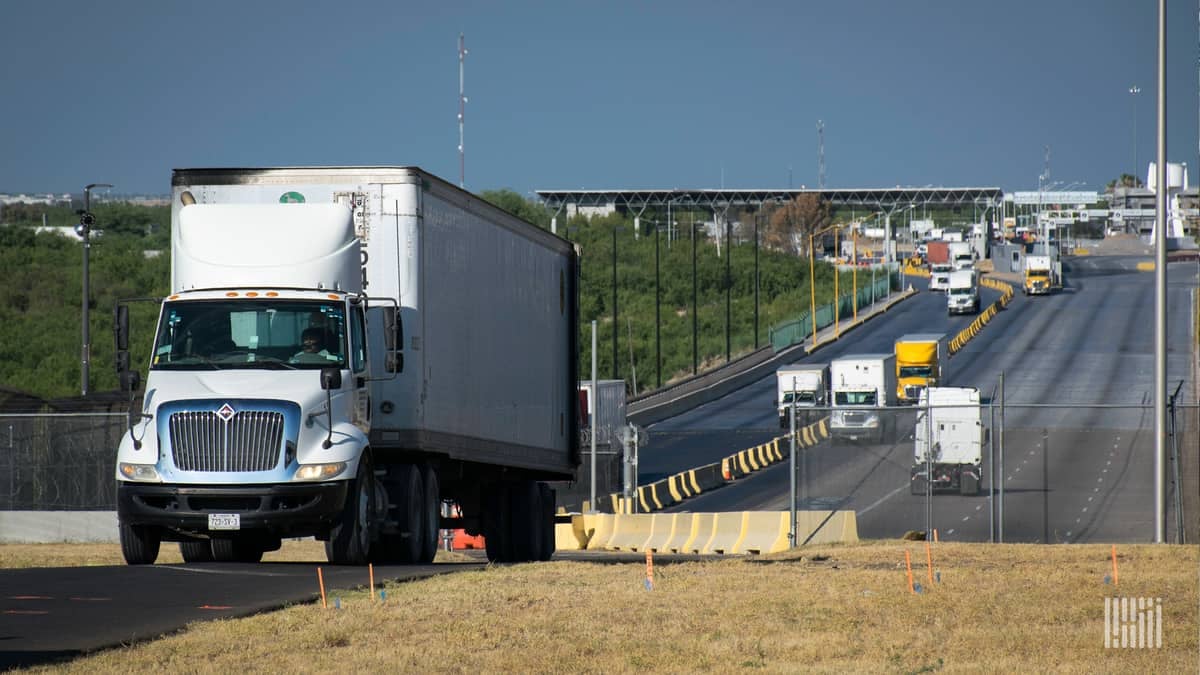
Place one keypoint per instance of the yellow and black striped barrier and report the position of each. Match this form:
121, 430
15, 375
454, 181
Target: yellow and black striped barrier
964, 336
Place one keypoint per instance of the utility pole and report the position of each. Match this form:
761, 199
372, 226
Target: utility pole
84, 230
820, 155
462, 109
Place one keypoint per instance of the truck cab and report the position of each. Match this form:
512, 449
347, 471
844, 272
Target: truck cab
919, 358
963, 295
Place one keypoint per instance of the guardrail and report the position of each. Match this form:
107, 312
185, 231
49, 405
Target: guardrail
734, 532
680, 486
964, 336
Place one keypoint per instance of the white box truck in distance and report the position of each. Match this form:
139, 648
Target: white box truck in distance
954, 419
342, 350
963, 296
805, 387
861, 385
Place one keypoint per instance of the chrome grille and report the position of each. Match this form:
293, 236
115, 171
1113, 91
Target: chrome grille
250, 441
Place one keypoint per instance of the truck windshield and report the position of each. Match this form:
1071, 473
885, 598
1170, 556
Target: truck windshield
854, 398
799, 397
250, 334
915, 371
960, 291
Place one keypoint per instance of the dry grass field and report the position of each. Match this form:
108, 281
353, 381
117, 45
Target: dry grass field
999, 608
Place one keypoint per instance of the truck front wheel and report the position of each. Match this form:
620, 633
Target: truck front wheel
139, 544
350, 540
196, 550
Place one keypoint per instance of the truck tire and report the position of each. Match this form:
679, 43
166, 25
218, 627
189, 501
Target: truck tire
242, 550
408, 498
431, 514
968, 485
139, 544
527, 526
196, 551
917, 485
548, 540
497, 520
350, 539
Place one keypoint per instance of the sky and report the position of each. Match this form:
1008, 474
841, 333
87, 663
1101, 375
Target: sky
572, 95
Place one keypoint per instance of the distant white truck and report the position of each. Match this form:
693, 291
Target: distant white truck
963, 295
961, 255
939, 276
862, 386
954, 419
805, 387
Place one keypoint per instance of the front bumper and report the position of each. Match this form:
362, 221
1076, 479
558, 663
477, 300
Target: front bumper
302, 509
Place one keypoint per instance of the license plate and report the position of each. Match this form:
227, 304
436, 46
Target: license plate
224, 521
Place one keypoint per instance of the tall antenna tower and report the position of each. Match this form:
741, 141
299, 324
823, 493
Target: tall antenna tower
462, 109
820, 155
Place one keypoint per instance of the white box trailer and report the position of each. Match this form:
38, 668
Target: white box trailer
805, 387
447, 370
863, 386
953, 418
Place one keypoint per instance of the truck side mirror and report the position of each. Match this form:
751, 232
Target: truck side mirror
331, 378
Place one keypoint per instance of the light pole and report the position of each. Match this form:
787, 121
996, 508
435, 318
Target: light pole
84, 230
1133, 92
812, 282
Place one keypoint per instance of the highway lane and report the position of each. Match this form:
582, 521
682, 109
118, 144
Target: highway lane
1071, 474
748, 416
52, 614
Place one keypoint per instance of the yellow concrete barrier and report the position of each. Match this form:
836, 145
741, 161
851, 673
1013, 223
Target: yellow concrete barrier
567, 537
1145, 266
662, 529
825, 527
727, 532
703, 527
598, 528
631, 532
763, 532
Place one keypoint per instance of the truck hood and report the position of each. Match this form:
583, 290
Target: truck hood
302, 387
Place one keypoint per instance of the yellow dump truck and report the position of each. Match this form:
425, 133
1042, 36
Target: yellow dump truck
919, 357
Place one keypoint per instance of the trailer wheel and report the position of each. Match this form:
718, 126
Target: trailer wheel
917, 485
431, 514
526, 525
408, 498
139, 544
241, 550
196, 551
350, 540
497, 523
968, 485
546, 495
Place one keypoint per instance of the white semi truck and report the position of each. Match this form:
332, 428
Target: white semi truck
961, 255
863, 387
343, 350
953, 418
805, 387
963, 295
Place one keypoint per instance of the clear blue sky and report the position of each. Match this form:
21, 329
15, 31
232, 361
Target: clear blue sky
595, 95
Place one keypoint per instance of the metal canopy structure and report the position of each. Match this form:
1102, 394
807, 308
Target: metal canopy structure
635, 202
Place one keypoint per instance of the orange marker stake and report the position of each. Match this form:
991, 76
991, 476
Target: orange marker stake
321, 582
908, 564
935, 534
1116, 579
371, 575
649, 570
929, 562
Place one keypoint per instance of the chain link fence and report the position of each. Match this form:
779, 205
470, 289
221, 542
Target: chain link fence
59, 462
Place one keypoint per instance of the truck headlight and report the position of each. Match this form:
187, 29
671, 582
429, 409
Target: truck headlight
320, 471
138, 472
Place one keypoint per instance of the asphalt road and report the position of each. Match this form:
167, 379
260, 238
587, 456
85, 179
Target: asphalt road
1072, 473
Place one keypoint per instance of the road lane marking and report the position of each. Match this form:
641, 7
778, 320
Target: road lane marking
882, 499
